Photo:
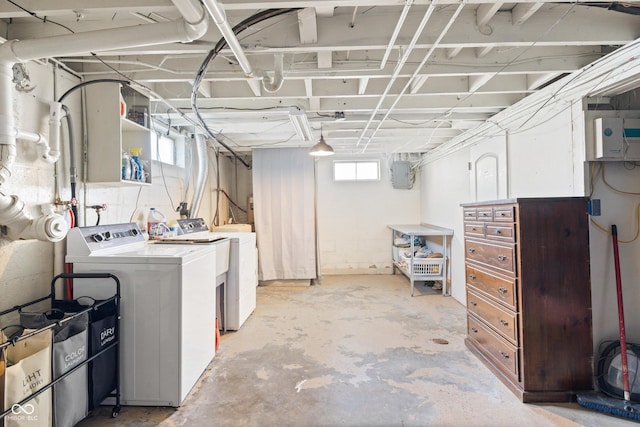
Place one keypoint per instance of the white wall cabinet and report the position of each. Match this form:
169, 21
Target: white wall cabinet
110, 133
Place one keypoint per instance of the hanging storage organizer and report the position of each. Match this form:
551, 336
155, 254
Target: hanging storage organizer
72, 349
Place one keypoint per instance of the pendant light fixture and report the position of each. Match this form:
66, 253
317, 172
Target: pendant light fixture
321, 149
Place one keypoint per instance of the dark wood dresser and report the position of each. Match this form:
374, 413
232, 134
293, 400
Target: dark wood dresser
529, 294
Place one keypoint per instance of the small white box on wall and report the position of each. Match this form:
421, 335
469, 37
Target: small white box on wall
609, 138
617, 138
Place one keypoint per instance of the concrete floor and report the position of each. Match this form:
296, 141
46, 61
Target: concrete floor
352, 351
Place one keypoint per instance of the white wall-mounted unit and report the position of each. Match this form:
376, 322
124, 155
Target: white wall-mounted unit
616, 138
112, 131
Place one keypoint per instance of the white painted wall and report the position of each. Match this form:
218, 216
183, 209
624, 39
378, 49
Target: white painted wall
27, 267
541, 162
444, 185
353, 218
540, 159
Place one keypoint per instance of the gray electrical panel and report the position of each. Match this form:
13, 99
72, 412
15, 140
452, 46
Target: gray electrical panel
401, 175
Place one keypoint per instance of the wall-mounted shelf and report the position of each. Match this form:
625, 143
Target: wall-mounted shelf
111, 133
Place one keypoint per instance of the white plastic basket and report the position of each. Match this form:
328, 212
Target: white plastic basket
424, 266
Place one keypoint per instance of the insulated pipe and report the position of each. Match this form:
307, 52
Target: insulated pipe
202, 171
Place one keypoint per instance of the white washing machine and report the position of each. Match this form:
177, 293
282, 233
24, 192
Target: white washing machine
168, 306
242, 280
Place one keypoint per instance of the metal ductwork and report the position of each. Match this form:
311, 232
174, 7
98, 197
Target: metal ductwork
201, 173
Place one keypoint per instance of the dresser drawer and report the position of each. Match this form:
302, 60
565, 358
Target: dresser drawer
500, 319
470, 214
501, 289
502, 232
501, 256
497, 349
485, 214
503, 213
474, 229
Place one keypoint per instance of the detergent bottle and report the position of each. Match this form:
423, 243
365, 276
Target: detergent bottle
126, 166
137, 173
156, 224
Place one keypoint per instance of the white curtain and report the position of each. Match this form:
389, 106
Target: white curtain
283, 202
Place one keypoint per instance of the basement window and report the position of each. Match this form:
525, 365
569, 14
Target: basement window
356, 170
168, 149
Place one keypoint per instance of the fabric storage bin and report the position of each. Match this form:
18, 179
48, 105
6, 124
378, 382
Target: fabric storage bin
70, 349
103, 369
27, 370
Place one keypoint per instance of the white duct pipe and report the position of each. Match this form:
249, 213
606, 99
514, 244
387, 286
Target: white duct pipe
274, 84
100, 40
202, 171
7, 121
216, 10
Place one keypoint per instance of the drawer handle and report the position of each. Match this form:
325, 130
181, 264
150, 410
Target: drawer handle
501, 258
498, 231
472, 276
502, 290
504, 322
471, 250
474, 330
473, 229
504, 355
485, 214
502, 214
473, 303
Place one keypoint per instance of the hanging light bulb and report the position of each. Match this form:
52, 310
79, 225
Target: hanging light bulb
321, 149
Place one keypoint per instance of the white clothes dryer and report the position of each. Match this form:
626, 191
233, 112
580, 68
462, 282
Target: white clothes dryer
242, 277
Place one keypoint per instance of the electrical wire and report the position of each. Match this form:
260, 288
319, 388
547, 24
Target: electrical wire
222, 43
45, 20
612, 188
637, 223
592, 180
90, 82
232, 202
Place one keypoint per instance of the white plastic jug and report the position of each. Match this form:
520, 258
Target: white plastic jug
156, 224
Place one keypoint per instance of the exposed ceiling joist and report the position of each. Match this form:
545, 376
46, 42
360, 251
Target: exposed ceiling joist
341, 56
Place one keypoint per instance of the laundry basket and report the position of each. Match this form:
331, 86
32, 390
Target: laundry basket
428, 267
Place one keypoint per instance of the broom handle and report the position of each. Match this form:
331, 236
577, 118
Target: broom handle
623, 334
